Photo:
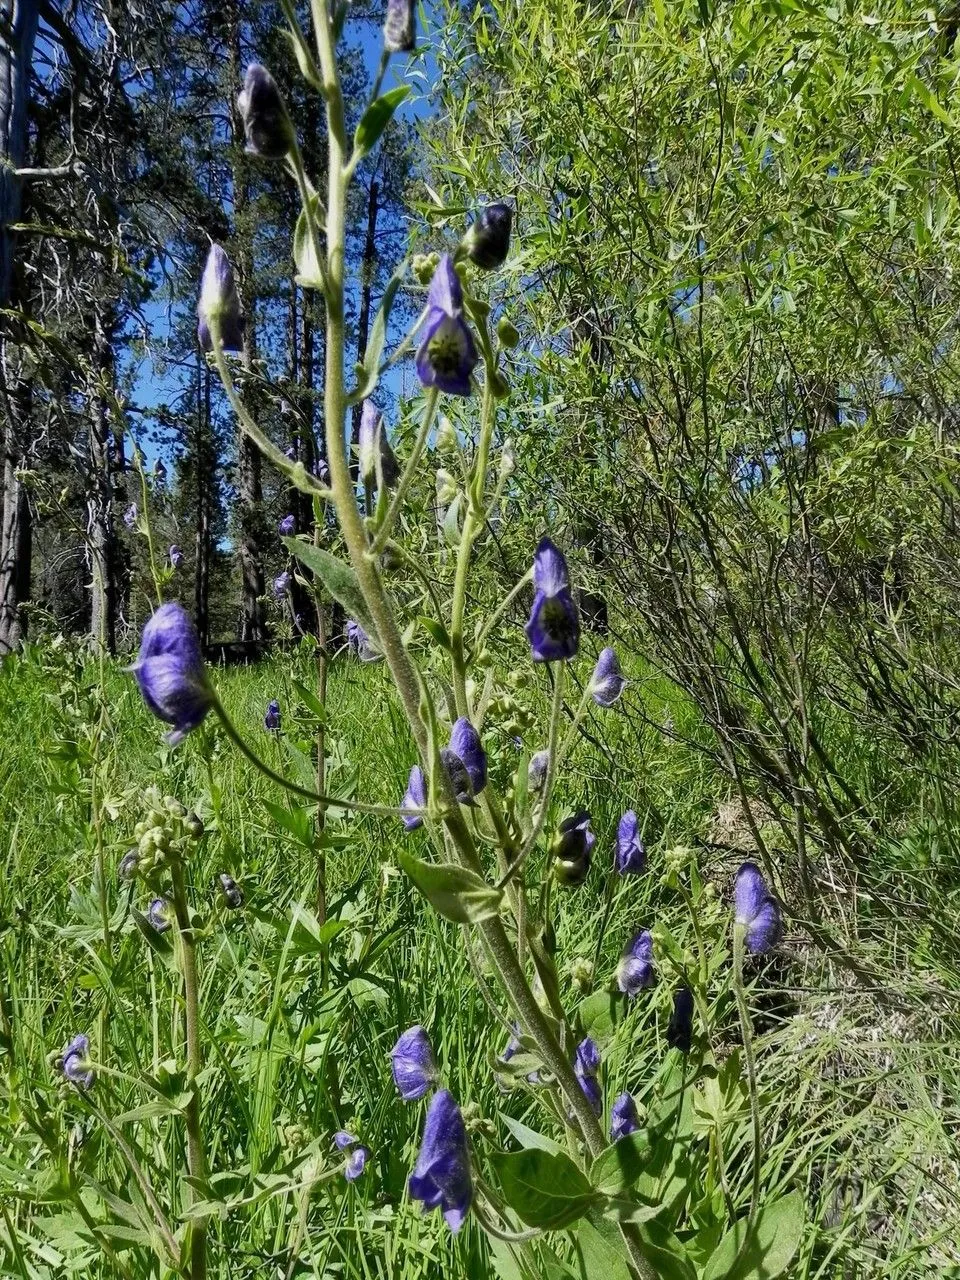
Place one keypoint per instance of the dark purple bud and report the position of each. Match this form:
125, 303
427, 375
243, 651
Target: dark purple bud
415, 797
281, 584
127, 870
680, 1028
623, 1117
130, 515
631, 853
355, 1163
75, 1063
488, 240
360, 643
465, 743
585, 1068
265, 119
160, 914
447, 353
272, 720
399, 28
456, 771
756, 910
170, 671
554, 626
607, 682
231, 893
176, 556
219, 304
537, 771
287, 526
441, 1177
414, 1070
572, 849
635, 970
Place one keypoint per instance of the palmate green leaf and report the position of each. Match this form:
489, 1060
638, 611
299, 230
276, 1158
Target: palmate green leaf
768, 1246
338, 578
621, 1164
543, 1189
375, 119
457, 893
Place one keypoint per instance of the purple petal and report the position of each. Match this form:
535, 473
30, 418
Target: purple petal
411, 1059
441, 1177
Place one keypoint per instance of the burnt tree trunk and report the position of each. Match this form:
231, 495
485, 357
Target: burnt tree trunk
18, 26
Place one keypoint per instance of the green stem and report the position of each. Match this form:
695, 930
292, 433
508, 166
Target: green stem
409, 471
746, 1033
145, 500
196, 1153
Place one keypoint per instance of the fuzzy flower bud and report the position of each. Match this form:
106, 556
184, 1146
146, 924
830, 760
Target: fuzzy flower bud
399, 28
607, 682
446, 487
264, 115
572, 848
488, 240
219, 304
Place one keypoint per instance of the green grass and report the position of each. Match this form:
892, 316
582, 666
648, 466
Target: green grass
858, 1085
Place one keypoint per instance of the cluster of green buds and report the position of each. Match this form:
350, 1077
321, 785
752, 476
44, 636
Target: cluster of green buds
424, 265
163, 835
505, 711
581, 973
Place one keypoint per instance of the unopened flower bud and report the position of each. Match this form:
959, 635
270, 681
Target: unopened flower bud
231, 894
508, 333
219, 305
265, 119
399, 28
488, 240
129, 864
446, 436
446, 487
581, 973
508, 459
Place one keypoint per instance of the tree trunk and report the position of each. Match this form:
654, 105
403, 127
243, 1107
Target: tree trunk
205, 462
100, 532
18, 26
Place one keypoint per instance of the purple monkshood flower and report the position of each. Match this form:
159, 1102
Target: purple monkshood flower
631, 853
585, 1068
290, 452
466, 745
159, 914
176, 556
170, 672
360, 643
130, 515
281, 584
635, 970
441, 1177
411, 1060
357, 1155
377, 461
399, 28
219, 303
129, 863
415, 797
572, 849
272, 720
537, 771
75, 1063
554, 626
488, 240
265, 120
447, 353
607, 682
680, 1028
287, 526
623, 1117
757, 911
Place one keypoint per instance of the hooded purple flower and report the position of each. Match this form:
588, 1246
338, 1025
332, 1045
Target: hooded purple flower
415, 797
159, 914
411, 1059
488, 240
554, 627
466, 745
399, 28
170, 672
272, 720
265, 119
230, 892
281, 584
219, 303
176, 556
635, 970
441, 1177
537, 771
322, 471
607, 682
447, 353
623, 1117
631, 853
287, 526
357, 1155
756, 910
585, 1067
572, 849
377, 461
75, 1063
680, 1028
360, 643
130, 515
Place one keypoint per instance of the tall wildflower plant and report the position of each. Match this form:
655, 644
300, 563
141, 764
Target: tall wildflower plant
486, 859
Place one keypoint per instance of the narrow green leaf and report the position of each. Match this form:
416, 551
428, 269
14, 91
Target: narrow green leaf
305, 259
338, 578
458, 894
529, 1139
437, 631
375, 119
543, 1190
767, 1247
368, 372
311, 701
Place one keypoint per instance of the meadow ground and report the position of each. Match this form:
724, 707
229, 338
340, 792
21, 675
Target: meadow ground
858, 1078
